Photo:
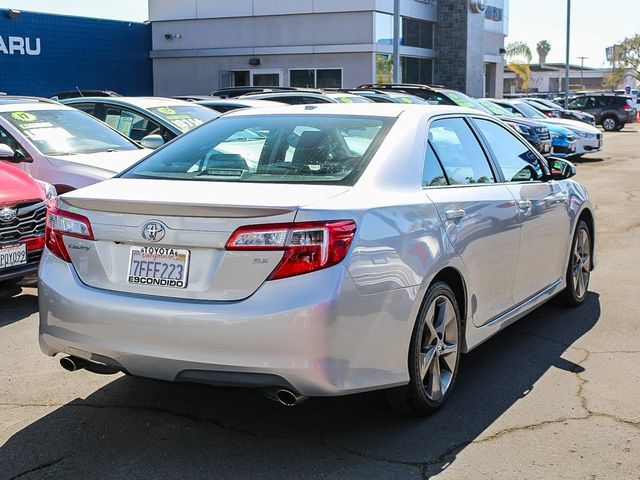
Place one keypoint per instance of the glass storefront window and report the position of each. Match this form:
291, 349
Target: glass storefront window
384, 68
417, 33
383, 28
316, 78
417, 70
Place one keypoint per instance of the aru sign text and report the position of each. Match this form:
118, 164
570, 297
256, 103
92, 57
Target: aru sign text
19, 46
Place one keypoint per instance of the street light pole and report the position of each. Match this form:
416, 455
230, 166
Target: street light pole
566, 68
582, 59
396, 41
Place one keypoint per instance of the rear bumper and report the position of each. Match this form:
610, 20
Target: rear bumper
313, 332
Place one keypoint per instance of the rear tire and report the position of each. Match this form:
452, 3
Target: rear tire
610, 124
434, 355
579, 267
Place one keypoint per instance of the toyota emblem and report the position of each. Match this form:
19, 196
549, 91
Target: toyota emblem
8, 215
153, 231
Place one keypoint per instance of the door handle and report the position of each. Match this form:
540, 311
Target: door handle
524, 205
455, 214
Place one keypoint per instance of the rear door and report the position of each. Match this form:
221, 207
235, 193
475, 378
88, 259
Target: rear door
542, 207
479, 214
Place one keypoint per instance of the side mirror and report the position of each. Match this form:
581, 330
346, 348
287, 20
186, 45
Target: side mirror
152, 141
6, 152
561, 169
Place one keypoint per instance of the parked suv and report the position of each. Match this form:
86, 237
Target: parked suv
22, 219
613, 112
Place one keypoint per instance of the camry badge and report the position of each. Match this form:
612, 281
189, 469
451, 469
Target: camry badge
8, 215
153, 231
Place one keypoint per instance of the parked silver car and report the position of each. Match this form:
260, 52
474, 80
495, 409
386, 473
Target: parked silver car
315, 251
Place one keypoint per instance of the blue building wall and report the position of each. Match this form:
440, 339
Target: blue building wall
74, 52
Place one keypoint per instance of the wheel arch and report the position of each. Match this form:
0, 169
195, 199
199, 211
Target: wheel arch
454, 278
588, 217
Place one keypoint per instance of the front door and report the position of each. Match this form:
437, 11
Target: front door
543, 211
480, 217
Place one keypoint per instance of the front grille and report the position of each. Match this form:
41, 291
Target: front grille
29, 222
543, 133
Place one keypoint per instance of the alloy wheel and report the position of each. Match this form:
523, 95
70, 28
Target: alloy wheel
609, 124
438, 355
581, 264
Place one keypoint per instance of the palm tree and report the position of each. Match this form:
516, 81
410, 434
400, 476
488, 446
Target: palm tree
543, 47
518, 58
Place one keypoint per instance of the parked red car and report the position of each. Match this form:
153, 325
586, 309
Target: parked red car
22, 222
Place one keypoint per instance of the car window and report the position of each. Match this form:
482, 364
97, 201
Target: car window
129, 123
271, 148
517, 162
66, 132
459, 152
579, 102
432, 174
86, 107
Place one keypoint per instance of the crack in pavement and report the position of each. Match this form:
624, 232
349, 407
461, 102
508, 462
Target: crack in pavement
39, 467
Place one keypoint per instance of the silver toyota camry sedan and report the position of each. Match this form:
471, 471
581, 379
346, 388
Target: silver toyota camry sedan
314, 251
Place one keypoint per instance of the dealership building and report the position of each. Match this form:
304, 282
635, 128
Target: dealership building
201, 45
42, 54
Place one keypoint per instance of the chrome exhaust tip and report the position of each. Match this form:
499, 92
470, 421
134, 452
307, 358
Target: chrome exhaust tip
283, 396
73, 364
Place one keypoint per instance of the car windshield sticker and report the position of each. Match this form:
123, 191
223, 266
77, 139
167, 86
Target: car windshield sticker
183, 121
347, 100
166, 110
24, 117
405, 100
461, 102
52, 135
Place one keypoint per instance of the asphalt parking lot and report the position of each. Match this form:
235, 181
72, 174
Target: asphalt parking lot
553, 396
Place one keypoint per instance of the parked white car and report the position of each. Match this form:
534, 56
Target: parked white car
62, 145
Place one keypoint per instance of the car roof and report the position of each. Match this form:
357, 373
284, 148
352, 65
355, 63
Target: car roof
391, 110
140, 102
12, 104
238, 102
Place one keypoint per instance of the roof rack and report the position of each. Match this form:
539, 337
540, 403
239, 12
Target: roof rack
396, 85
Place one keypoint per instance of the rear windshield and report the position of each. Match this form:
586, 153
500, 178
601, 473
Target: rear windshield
185, 117
67, 132
271, 149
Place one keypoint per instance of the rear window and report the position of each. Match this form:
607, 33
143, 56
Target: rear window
272, 149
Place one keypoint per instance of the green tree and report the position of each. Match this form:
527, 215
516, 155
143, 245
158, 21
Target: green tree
518, 58
543, 48
626, 60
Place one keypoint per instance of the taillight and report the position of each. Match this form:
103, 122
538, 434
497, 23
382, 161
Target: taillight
627, 107
307, 246
61, 223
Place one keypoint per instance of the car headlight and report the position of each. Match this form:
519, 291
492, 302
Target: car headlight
49, 190
523, 129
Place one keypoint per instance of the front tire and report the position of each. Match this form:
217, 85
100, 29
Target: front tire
434, 355
579, 268
610, 124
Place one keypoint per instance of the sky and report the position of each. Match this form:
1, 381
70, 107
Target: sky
596, 24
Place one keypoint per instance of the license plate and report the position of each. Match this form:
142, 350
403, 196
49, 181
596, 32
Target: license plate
159, 266
13, 255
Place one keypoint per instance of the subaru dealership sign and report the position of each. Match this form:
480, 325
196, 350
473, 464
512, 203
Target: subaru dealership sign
19, 46
41, 54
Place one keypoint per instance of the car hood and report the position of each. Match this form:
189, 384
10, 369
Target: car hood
574, 125
103, 164
17, 186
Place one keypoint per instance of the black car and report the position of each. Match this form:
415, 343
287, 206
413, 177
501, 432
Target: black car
541, 104
613, 112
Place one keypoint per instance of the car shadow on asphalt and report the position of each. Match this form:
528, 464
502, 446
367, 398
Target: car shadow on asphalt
145, 428
580, 160
14, 306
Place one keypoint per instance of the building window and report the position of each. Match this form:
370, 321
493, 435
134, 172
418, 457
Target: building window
384, 28
384, 68
417, 70
316, 78
417, 33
